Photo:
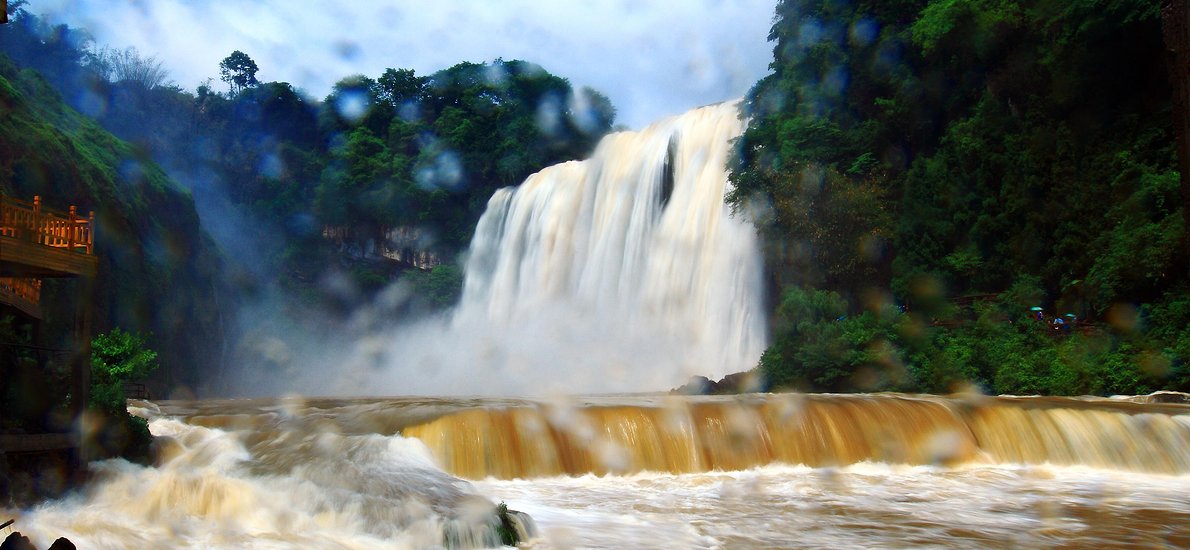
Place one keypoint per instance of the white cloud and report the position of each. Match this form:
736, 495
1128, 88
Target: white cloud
652, 58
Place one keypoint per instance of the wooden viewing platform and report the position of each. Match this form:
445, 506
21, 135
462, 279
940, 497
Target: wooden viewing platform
39, 243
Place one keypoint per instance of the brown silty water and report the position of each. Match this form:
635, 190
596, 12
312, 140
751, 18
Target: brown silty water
990, 472
756, 471
696, 435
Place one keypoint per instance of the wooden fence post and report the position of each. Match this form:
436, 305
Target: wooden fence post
34, 234
72, 228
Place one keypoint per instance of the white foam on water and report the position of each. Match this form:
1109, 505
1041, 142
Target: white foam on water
867, 505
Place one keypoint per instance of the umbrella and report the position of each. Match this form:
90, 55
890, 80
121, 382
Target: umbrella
1035, 308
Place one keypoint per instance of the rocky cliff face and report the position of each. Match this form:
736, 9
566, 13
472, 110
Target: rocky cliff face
410, 246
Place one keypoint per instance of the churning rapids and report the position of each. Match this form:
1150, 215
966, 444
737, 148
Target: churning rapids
622, 273
759, 471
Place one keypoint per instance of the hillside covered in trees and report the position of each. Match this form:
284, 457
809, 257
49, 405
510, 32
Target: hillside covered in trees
317, 204
930, 176
158, 271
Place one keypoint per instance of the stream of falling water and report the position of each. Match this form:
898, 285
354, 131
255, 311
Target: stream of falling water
623, 272
760, 471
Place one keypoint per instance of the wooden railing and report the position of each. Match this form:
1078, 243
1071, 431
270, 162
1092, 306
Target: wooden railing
31, 222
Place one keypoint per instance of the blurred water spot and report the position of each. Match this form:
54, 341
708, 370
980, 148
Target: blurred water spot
811, 179
391, 16
701, 66
944, 446
338, 284
1123, 316
271, 350
927, 287
742, 425
181, 392
444, 171
409, 111
91, 104
871, 248
495, 75
888, 56
549, 115
810, 32
271, 166
1154, 363
863, 32
613, 456
348, 50
292, 405
302, 224
834, 82
352, 104
582, 113
131, 172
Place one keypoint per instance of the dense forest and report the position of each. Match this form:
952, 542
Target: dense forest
939, 182
323, 203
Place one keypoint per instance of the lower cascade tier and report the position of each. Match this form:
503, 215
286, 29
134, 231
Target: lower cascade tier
683, 435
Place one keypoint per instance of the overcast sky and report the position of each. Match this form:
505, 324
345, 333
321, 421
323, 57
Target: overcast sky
653, 58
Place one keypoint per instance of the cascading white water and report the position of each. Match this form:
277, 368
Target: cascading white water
625, 272
602, 273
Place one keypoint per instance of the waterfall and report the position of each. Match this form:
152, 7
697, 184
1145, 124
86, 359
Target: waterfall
688, 436
623, 272
706, 472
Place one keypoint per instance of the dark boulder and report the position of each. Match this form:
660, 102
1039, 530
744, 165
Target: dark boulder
739, 382
17, 541
62, 543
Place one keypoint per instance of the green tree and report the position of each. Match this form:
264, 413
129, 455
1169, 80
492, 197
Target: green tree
238, 71
434, 289
117, 357
401, 88
969, 148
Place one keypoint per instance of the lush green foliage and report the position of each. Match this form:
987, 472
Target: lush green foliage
271, 169
157, 271
994, 346
437, 288
118, 357
429, 152
398, 151
916, 152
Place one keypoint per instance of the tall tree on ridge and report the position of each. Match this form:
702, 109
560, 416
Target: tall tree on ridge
238, 71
